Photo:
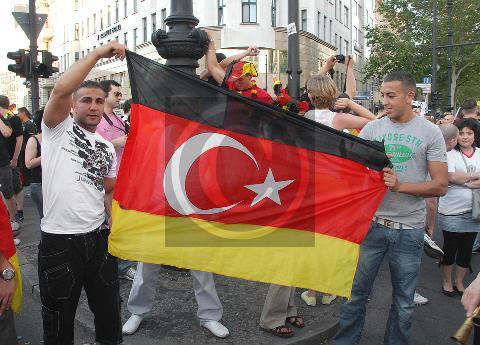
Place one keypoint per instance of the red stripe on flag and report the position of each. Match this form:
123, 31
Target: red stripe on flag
7, 247
331, 188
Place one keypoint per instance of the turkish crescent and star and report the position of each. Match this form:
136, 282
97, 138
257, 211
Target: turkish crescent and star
182, 159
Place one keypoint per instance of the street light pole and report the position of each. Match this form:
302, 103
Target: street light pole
434, 58
293, 69
449, 56
33, 57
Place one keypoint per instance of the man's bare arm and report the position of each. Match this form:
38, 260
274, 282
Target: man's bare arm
214, 68
16, 153
59, 104
351, 87
251, 51
5, 130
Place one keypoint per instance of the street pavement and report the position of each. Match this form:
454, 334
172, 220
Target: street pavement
173, 318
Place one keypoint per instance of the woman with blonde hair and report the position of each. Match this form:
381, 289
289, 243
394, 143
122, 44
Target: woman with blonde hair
323, 94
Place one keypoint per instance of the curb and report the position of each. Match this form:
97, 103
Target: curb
84, 318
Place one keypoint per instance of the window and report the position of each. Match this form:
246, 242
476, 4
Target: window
347, 48
274, 13
163, 17
125, 8
355, 34
325, 28
303, 25
318, 23
336, 9
77, 56
330, 31
77, 33
154, 22
116, 11
101, 20
336, 40
340, 44
354, 8
109, 17
134, 6
94, 22
221, 5
345, 17
144, 27
125, 39
249, 11
135, 39
88, 26
340, 7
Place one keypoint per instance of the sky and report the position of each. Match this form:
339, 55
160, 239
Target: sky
13, 38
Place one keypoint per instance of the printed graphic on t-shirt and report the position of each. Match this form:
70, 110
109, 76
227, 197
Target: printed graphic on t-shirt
402, 147
95, 161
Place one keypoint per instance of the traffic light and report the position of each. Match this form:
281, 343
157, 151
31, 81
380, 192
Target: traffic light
21, 65
45, 69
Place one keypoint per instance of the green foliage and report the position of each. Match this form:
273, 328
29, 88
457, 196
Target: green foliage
403, 40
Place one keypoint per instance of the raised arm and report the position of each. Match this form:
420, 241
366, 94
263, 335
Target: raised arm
214, 68
58, 106
331, 61
343, 103
251, 51
351, 81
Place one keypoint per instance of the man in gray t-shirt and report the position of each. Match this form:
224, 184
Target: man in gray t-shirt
416, 148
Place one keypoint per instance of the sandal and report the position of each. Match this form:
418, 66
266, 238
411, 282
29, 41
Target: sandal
296, 321
280, 331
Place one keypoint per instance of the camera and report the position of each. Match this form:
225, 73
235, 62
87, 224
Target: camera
340, 58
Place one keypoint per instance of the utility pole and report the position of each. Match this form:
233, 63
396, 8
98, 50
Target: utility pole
293, 69
33, 56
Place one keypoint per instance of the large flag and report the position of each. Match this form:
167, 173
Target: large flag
213, 181
7, 248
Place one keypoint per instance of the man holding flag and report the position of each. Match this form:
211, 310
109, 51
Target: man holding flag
416, 148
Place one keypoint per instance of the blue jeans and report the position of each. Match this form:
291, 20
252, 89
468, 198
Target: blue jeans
404, 252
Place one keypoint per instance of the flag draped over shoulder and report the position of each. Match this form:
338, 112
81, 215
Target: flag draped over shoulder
7, 248
213, 181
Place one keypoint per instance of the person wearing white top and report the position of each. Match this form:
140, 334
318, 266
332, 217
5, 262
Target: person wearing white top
78, 174
455, 208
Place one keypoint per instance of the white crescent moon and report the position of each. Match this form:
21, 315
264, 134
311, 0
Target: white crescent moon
180, 163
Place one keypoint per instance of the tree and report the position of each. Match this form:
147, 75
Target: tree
403, 40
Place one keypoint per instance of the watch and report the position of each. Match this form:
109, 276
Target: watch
7, 274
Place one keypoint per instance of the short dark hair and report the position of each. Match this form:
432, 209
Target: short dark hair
468, 123
88, 84
126, 106
107, 85
25, 110
407, 79
220, 57
469, 106
4, 102
37, 119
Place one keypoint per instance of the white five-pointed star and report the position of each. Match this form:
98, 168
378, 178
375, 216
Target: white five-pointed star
268, 189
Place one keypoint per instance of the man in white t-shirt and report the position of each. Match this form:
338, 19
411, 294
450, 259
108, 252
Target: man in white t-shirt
78, 171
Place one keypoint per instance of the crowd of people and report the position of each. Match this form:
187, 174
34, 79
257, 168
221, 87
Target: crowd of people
68, 155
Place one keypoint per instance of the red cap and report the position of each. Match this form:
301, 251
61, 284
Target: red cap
240, 69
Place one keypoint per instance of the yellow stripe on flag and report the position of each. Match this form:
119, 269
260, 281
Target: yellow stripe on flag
17, 296
286, 257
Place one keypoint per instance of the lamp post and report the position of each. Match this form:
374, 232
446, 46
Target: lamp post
293, 69
183, 45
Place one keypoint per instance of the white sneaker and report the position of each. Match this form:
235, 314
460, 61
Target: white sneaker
16, 241
419, 299
132, 324
431, 248
15, 226
216, 328
129, 274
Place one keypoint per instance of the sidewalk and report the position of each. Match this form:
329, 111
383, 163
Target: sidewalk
173, 319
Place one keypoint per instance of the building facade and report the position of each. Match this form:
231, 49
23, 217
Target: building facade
326, 27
